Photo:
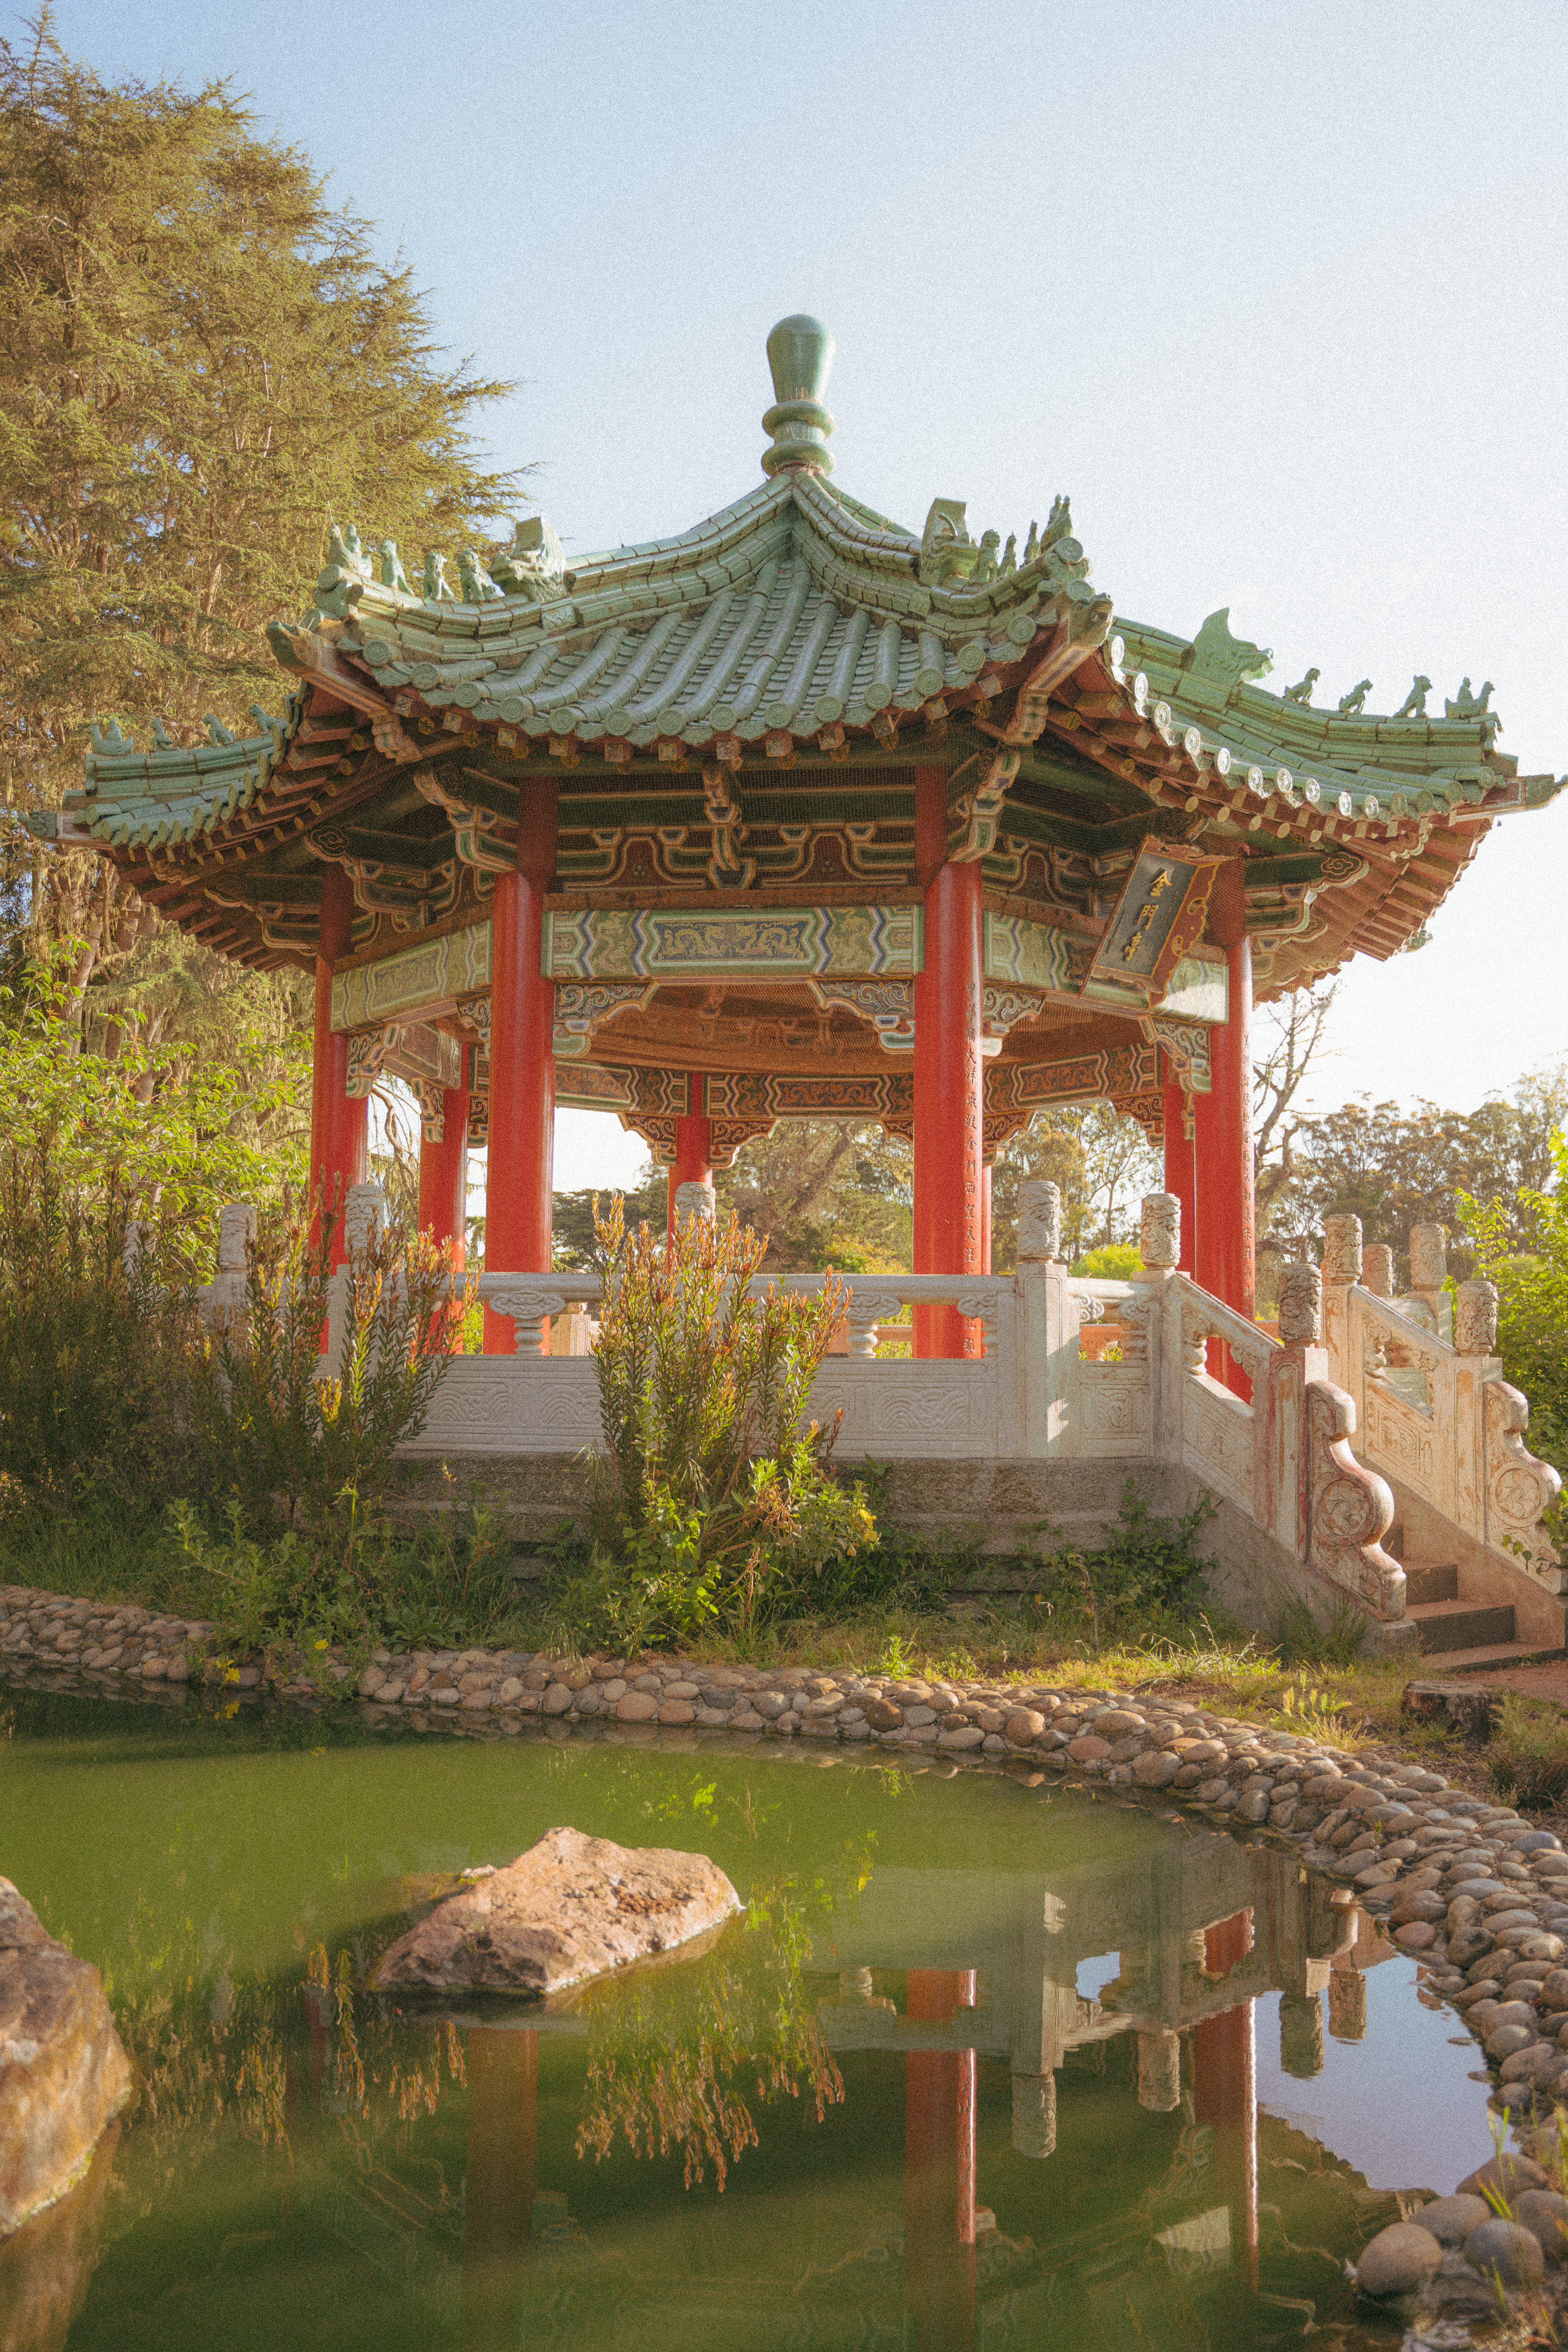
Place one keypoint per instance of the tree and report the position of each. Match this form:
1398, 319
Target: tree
825, 1192
1293, 1036
200, 365
1395, 1169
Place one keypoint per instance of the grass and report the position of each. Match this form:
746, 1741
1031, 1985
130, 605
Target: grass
447, 1587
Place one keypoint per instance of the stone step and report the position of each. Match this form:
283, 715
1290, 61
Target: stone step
1462, 1624
1425, 1583
1491, 1656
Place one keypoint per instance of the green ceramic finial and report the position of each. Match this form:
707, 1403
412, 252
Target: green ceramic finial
800, 352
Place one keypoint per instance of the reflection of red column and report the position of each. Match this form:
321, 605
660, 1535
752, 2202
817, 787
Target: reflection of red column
985, 1221
1224, 2091
948, 1071
339, 1123
693, 1152
1224, 1260
498, 2194
939, 2171
444, 1175
520, 1149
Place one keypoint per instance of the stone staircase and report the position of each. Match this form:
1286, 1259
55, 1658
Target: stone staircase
1462, 1636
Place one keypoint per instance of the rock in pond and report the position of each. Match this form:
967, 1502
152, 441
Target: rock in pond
570, 1909
1398, 2260
63, 2073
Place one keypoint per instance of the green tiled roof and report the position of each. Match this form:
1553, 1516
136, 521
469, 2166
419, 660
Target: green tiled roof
795, 622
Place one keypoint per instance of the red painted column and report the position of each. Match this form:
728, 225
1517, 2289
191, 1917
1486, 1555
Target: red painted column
444, 1176
499, 2184
518, 1184
939, 2171
1225, 2092
948, 1104
1224, 1257
339, 1124
1180, 1173
693, 1149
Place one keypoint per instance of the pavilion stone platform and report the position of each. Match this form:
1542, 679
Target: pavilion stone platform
802, 813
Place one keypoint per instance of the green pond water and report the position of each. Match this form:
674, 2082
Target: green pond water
829, 2129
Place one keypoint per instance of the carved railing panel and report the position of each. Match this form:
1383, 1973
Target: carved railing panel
1519, 1486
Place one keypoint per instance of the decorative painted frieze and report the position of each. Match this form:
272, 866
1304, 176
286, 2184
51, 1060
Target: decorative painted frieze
732, 943
428, 978
579, 1011
888, 1005
1033, 955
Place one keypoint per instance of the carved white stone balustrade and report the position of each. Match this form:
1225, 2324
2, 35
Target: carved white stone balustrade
1436, 1416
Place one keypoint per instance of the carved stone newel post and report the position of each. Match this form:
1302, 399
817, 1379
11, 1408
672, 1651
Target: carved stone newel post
696, 1201
1474, 1320
1377, 1269
1301, 1304
1039, 1222
1341, 1272
1159, 1231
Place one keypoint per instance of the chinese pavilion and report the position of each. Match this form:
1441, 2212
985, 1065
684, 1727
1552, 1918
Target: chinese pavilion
798, 811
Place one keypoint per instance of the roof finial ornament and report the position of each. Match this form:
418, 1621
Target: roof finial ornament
800, 353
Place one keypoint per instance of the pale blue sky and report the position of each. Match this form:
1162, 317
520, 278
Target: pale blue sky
1278, 293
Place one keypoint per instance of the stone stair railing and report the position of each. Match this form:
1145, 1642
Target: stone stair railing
1434, 1411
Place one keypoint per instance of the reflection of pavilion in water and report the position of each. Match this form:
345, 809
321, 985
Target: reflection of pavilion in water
987, 1965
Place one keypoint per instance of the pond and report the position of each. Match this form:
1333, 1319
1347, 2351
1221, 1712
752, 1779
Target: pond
991, 2059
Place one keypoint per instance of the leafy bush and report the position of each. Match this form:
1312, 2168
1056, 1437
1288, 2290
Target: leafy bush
715, 1506
1114, 1262
93, 1352
1529, 1753
1142, 1582
353, 1584
272, 1425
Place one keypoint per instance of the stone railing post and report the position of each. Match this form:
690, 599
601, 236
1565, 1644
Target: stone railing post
1429, 1276
1047, 1322
1377, 1269
1341, 1272
696, 1200
1160, 1248
1473, 1312
225, 1295
1299, 1363
1475, 1319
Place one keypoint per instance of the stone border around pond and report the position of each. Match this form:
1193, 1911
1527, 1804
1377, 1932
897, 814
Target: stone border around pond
1473, 1890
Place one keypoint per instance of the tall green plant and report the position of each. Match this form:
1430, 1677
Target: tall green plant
93, 1349
716, 1496
276, 1425
1532, 1294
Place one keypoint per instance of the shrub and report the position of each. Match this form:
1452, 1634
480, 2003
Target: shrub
273, 1426
1529, 1753
716, 1505
352, 1584
93, 1352
1141, 1582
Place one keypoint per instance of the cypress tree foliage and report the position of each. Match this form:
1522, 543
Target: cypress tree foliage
201, 366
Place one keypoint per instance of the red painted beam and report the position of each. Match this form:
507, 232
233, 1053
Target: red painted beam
444, 1176
339, 1125
693, 1150
521, 1147
948, 1108
1225, 1259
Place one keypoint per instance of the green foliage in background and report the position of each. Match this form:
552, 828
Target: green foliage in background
1532, 1304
